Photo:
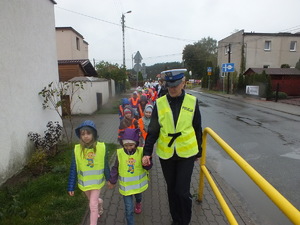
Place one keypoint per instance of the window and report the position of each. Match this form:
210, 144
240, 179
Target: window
77, 43
227, 49
293, 46
267, 45
266, 66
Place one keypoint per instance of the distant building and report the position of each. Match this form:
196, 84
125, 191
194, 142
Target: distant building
72, 54
259, 50
74, 65
70, 44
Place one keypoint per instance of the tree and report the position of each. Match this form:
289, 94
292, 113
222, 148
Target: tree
157, 68
285, 66
113, 71
55, 98
198, 56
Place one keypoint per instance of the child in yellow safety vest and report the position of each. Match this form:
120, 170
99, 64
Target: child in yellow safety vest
132, 175
89, 167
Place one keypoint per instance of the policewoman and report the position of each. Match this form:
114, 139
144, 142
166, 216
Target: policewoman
176, 126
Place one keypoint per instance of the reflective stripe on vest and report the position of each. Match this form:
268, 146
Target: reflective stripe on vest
90, 182
90, 169
92, 172
134, 187
133, 178
180, 138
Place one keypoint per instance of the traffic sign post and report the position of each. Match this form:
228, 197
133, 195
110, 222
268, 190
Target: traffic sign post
228, 67
209, 70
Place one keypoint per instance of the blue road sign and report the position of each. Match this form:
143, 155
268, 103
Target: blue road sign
228, 67
209, 69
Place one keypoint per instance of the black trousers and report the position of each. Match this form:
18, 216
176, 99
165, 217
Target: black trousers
178, 173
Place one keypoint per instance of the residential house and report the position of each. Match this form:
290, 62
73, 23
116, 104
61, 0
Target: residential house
28, 64
71, 44
74, 65
259, 50
285, 79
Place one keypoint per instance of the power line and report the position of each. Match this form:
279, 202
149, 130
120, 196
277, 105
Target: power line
132, 28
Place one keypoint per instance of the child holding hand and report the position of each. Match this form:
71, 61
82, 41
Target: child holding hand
133, 177
90, 167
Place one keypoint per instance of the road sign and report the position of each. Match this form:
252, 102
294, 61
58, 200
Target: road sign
209, 69
228, 67
137, 67
138, 57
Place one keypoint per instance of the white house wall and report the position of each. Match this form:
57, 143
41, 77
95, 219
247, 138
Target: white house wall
28, 63
88, 105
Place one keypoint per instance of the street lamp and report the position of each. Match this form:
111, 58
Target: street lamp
123, 32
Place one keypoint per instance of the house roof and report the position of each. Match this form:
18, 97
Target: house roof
69, 28
273, 34
86, 65
273, 71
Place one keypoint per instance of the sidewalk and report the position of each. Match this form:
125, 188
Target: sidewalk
290, 106
155, 202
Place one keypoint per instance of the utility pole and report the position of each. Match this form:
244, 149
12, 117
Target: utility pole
123, 32
228, 73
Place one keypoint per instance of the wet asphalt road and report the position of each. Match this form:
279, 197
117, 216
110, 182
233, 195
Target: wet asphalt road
267, 139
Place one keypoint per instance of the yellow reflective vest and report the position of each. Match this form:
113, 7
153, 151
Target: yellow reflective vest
180, 137
90, 167
133, 178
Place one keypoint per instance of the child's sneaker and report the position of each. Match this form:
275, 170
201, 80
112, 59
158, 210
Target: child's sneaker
138, 208
100, 207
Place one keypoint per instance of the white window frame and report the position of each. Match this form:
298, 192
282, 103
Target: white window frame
267, 46
293, 46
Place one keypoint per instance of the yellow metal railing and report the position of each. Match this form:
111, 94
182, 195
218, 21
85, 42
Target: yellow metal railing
282, 203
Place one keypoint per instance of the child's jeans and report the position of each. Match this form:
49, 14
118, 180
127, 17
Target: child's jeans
93, 196
129, 207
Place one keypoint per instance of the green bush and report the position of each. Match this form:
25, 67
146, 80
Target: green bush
281, 95
37, 162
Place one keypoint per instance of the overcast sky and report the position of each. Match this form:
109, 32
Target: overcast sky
160, 29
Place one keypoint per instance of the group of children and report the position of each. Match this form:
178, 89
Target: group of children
136, 112
90, 165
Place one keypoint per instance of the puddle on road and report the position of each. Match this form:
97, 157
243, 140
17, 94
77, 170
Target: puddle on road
265, 211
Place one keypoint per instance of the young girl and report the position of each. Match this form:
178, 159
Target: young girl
128, 121
90, 167
144, 123
133, 177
